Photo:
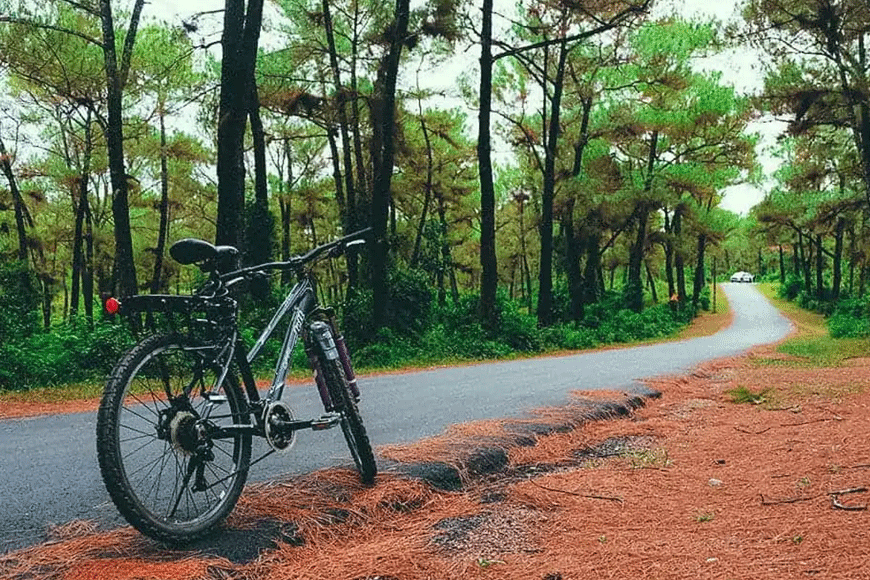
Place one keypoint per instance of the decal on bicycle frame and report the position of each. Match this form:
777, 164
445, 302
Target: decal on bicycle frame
286, 353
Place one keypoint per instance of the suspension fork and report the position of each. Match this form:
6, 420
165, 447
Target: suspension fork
323, 332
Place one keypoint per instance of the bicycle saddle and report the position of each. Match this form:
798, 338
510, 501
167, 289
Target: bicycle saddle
208, 256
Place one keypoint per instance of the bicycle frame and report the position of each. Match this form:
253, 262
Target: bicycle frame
299, 300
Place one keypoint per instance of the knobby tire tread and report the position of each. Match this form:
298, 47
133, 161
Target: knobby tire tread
352, 424
108, 448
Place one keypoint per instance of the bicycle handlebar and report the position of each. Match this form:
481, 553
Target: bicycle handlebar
333, 248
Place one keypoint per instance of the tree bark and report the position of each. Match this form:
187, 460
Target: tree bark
572, 246
261, 226
383, 151
80, 205
634, 290
652, 284
820, 265
545, 273
348, 218
572, 266
163, 232
427, 191
22, 217
669, 256
488, 260
232, 115
838, 258
781, 266
124, 274
679, 261
699, 270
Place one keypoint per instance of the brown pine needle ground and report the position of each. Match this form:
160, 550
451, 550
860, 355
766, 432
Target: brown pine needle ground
691, 486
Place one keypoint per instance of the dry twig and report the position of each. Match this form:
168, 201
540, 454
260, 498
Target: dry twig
835, 499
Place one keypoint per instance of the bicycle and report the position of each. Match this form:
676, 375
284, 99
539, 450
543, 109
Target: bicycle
175, 424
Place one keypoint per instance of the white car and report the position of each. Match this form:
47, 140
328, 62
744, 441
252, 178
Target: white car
742, 277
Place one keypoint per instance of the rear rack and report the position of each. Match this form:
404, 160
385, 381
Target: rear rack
198, 316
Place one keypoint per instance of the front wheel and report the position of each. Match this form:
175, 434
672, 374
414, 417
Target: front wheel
351, 421
169, 462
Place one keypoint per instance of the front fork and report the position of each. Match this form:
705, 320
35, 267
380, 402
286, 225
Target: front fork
322, 336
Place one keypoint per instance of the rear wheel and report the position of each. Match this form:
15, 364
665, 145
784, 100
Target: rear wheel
351, 421
171, 470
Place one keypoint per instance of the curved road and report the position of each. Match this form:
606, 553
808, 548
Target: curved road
49, 465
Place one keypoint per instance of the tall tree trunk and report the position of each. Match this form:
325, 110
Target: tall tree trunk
383, 106
838, 258
652, 284
116, 76
669, 256
572, 266
820, 266
573, 248
851, 259
349, 218
488, 261
163, 233
80, 205
446, 254
88, 271
593, 277
232, 117
679, 261
22, 217
336, 170
548, 194
285, 201
781, 266
427, 191
260, 226
805, 263
700, 276
634, 290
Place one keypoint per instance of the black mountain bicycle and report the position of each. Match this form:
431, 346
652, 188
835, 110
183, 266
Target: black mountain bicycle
180, 409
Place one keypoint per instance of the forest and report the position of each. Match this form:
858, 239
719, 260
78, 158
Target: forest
539, 175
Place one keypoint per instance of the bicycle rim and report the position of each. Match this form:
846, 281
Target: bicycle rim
168, 476
351, 421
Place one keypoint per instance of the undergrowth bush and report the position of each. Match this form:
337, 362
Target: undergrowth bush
71, 352
850, 319
421, 332
791, 288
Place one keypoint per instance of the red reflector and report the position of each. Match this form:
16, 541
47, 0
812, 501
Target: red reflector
112, 306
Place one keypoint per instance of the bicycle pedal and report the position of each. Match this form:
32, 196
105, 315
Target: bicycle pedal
214, 397
325, 422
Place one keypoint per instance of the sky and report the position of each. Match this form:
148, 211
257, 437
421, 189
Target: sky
737, 68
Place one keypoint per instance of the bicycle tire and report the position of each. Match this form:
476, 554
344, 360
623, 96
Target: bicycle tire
145, 439
351, 421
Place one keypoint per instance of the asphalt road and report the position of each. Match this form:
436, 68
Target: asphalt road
49, 466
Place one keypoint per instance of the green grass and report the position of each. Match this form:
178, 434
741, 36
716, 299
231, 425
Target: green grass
812, 347
742, 395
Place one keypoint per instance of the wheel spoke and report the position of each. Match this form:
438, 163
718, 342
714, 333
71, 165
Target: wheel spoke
169, 487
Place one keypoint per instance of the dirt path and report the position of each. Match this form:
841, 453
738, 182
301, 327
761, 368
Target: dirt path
690, 486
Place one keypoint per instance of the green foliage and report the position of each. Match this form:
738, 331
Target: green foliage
792, 287
72, 352
456, 333
411, 298
19, 302
850, 319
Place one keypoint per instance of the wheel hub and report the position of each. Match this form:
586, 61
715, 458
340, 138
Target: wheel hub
184, 432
